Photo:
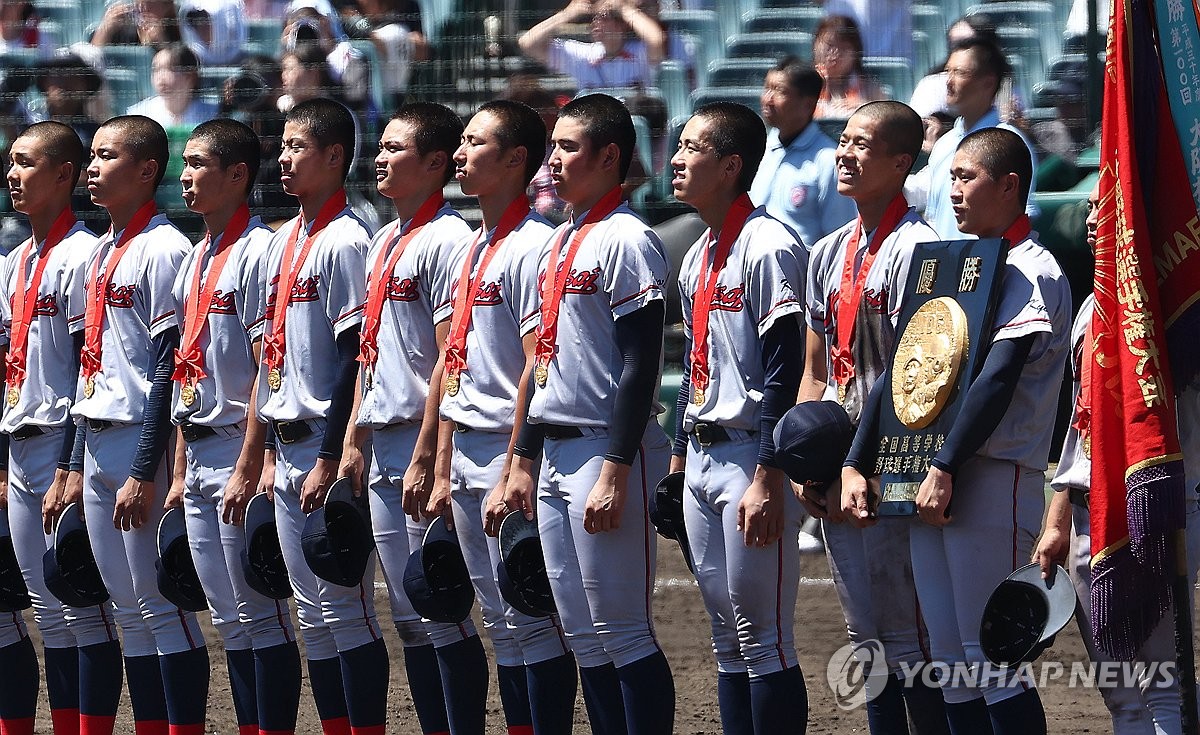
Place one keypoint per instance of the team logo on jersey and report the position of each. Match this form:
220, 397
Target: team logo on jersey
120, 296
402, 289
582, 282
46, 305
306, 288
728, 299
489, 295
222, 303
873, 300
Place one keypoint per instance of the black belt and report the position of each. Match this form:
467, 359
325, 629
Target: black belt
29, 431
291, 431
556, 431
1079, 496
97, 425
710, 434
195, 432
462, 428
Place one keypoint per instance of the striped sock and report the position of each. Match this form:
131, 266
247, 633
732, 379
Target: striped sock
99, 687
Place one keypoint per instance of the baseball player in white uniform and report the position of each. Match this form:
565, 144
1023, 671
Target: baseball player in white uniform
856, 282
314, 275
994, 456
487, 344
408, 273
36, 285
741, 286
219, 447
123, 410
1147, 708
596, 369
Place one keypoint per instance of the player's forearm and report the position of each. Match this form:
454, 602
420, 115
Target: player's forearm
69, 434
356, 435
815, 378
782, 363
647, 29
865, 448
535, 42
251, 454
524, 396
530, 436
639, 337
179, 467
156, 417
429, 437
679, 447
1058, 513
342, 399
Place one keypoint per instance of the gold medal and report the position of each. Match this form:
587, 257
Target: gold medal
452, 384
841, 393
187, 392
369, 377
14, 396
89, 386
1087, 445
541, 374
698, 396
274, 379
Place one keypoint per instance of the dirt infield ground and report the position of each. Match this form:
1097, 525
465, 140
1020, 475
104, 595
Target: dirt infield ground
683, 630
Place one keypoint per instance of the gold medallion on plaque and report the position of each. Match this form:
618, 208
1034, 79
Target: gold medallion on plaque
929, 356
89, 386
274, 379
452, 384
187, 393
541, 374
698, 396
14, 395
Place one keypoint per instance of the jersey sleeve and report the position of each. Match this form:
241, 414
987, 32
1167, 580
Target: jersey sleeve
443, 308
250, 283
634, 270
76, 289
346, 276
524, 297
438, 273
7, 274
774, 284
162, 268
1022, 309
816, 288
686, 284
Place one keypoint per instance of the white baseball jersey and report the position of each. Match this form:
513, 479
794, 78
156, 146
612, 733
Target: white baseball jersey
620, 267
223, 394
762, 282
879, 307
326, 300
1074, 467
408, 348
505, 310
50, 363
137, 308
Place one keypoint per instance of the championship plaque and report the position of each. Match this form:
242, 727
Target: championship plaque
943, 335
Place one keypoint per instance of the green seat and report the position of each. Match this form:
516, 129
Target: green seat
69, 15
739, 72
932, 21
776, 20
748, 96
265, 31
893, 72
136, 61
1027, 45
769, 45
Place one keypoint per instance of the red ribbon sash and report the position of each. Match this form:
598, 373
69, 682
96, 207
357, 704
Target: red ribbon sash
1018, 231
556, 276
385, 264
97, 291
706, 285
468, 288
189, 358
852, 285
24, 298
275, 345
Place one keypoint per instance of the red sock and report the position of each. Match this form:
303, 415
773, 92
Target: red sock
96, 724
247, 729
369, 730
283, 732
336, 726
193, 729
520, 730
151, 727
15, 726
65, 721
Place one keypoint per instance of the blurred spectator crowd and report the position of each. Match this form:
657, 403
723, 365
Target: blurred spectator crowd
184, 61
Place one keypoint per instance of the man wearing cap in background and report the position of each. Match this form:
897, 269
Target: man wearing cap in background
742, 365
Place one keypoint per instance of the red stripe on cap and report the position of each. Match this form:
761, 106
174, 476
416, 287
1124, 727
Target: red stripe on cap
65, 720
96, 724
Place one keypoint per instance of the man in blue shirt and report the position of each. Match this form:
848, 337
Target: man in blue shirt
974, 73
797, 180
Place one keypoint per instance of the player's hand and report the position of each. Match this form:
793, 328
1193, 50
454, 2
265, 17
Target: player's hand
353, 466
933, 498
174, 497
134, 500
316, 485
1051, 550
438, 503
678, 463
518, 490
606, 501
760, 512
857, 499
495, 509
242, 485
52, 501
266, 480
418, 488
3, 489
812, 497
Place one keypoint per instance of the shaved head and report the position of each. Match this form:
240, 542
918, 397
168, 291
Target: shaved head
145, 138
60, 142
898, 126
1001, 152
